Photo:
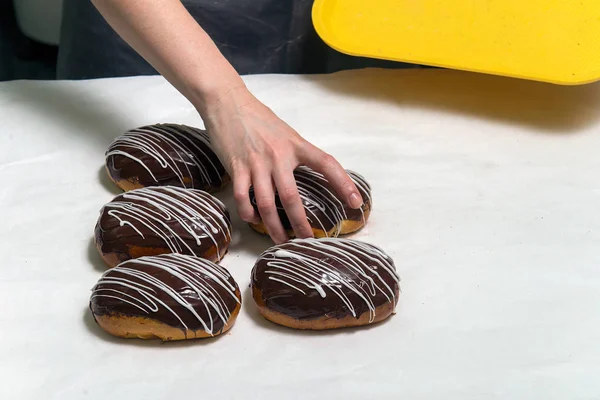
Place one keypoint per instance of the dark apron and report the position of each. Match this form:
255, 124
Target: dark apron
256, 36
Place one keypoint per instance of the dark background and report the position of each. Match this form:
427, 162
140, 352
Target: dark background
284, 42
21, 58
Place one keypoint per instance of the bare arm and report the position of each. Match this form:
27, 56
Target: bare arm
256, 147
166, 35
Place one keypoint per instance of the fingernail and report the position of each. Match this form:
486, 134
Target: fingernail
355, 200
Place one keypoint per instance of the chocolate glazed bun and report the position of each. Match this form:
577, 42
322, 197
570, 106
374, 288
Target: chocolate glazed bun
165, 219
327, 215
325, 284
165, 155
170, 297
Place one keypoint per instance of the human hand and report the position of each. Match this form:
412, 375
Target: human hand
258, 149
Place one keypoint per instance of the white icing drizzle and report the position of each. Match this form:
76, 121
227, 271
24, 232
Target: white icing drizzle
291, 265
161, 142
316, 193
156, 208
199, 275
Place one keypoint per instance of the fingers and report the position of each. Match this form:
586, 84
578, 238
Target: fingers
334, 173
265, 201
291, 201
241, 188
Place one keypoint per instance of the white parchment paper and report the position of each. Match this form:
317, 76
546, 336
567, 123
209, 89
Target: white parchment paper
486, 193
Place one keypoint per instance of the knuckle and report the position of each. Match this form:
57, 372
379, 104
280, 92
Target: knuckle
240, 195
271, 150
288, 194
246, 215
274, 149
253, 153
237, 165
328, 161
305, 146
265, 204
255, 159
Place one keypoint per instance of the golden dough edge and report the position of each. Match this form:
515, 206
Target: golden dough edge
350, 226
381, 313
112, 259
128, 185
128, 327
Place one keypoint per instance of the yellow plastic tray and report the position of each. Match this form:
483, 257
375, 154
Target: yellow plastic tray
554, 41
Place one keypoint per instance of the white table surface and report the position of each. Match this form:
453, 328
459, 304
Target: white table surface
486, 194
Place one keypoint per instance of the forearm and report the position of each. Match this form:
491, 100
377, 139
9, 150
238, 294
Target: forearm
166, 35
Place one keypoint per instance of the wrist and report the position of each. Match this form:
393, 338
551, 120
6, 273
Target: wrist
224, 97
208, 98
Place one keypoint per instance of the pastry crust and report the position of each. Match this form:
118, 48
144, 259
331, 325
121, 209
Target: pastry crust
165, 154
112, 259
169, 297
160, 220
129, 327
325, 283
127, 185
324, 323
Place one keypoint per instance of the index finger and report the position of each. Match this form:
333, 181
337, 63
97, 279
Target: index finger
265, 202
287, 190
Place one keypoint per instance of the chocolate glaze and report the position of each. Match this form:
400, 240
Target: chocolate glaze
308, 279
184, 292
324, 210
185, 221
166, 154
